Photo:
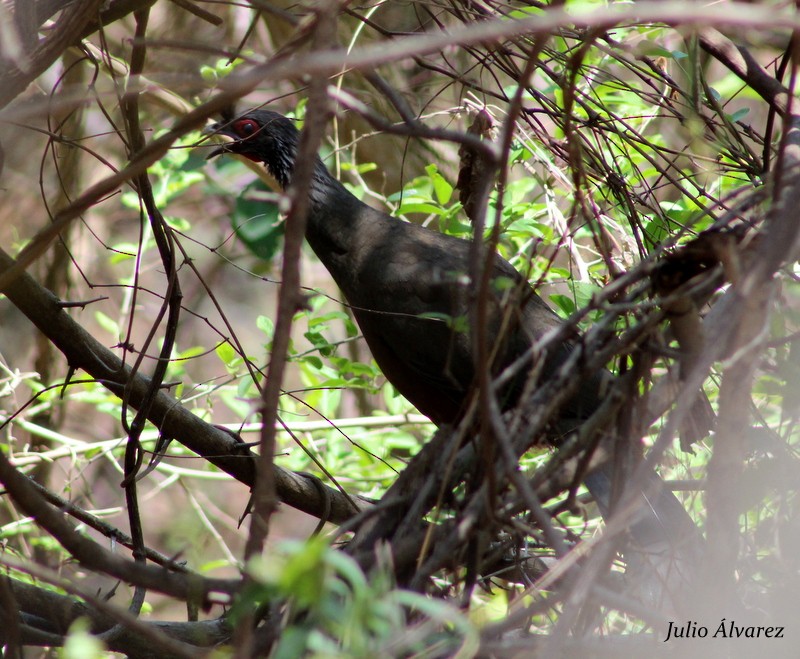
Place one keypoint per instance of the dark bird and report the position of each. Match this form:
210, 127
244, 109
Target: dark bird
401, 279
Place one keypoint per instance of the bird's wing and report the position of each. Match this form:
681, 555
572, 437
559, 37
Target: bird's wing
418, 326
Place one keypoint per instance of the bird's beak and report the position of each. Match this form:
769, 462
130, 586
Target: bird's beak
222, 135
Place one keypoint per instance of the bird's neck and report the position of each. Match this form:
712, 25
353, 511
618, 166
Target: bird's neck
336, 221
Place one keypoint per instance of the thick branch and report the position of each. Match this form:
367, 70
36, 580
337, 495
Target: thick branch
90, 554
739, 60
83, 351
36, 605
67, 31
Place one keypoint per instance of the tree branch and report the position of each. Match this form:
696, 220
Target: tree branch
83, 351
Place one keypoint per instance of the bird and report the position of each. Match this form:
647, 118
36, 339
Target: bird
403, 281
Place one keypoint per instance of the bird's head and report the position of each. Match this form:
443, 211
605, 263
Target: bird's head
262, 136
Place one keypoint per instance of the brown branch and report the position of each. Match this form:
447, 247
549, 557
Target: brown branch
332, 62
83, 351
290, 296
93, 556
198, 11
290, 299
108, 530
144, 158
739, 60
110, 11
68, 29
47, 616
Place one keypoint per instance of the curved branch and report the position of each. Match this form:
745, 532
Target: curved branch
35, 605
68, 30
90, 554
83, 351
739, 60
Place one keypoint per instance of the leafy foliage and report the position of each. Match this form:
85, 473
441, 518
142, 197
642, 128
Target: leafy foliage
633, 142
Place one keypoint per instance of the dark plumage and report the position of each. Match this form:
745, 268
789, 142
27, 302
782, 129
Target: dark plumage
394, 273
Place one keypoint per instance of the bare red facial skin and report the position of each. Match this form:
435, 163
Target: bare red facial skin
245, 128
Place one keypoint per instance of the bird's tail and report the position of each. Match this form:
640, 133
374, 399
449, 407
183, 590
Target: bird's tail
663, 548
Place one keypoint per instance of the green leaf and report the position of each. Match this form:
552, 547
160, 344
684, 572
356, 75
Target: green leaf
178, 223
441, 187
739, 114
80, 644
123, 252
312, 360
362, 168
455, 323
583, 292
109, 324
501, 284
266, 325
656, 230
218, 564
649, 48
564, 303
257, 223
325, 318
191, 353
319, 342
419, 207
227, 355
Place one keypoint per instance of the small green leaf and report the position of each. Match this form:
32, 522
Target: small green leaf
226, 354
441, 187
455, 323
257, 223
179, 223
648, 48
362, 168
80, 644
739, 114
218, 564
501, 284
109, 324
656, 230
564, 303
313, 361
123, 252
319, 342
266, 325
420, 207
190, 353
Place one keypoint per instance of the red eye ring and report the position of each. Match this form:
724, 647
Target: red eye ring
245, 127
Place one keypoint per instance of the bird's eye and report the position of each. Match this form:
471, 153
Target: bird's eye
245, 127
